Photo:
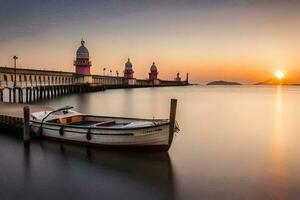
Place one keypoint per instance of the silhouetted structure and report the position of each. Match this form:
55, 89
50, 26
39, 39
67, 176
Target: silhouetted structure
153, 72
82, 62
128, 72
178, 78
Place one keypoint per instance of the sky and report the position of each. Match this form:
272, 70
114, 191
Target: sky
234, 40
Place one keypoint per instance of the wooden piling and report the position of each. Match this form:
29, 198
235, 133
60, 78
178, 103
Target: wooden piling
44, 93
20, 94
1, 95
56, 93
40, 93
48, 92
14, 95
9, 94
53, 91
172, 118
30, 94
26, 95
33, 94
26, 126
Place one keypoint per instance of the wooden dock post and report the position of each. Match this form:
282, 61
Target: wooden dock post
26, 126
172, 119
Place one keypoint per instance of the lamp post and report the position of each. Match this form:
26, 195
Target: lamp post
15, 70
15, 78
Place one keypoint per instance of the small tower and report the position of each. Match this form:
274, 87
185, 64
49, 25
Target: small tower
178, 78
153, 72
128, 72
82, 62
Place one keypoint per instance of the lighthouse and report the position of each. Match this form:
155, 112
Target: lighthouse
153, 72
82, 62
128, 72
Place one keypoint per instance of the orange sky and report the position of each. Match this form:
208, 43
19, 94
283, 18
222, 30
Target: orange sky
236, 43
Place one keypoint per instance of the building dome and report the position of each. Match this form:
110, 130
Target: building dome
128, 65
153, 67
82, 51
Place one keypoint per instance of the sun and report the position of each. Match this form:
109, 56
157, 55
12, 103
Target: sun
279, 75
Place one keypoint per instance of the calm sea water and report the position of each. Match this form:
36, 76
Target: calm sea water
240, 142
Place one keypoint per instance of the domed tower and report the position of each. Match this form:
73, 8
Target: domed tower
153, 72
82, 62
128, 72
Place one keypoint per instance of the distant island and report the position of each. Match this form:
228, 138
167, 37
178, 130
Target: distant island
275, 81
223, 83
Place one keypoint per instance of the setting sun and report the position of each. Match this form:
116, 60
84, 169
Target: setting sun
279, 74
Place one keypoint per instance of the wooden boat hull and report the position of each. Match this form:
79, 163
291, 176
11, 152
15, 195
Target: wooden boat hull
156, 138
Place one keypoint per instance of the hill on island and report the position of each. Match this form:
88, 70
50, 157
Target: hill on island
223, 83
275, 81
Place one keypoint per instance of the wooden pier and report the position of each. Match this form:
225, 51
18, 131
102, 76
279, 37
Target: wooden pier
29, 85
15, 118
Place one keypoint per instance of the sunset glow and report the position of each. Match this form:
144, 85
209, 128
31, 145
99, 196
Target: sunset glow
211, 40
279, 75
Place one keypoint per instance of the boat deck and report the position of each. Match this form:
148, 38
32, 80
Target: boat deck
83, 123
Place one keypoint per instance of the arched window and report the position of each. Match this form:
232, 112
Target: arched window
5, 78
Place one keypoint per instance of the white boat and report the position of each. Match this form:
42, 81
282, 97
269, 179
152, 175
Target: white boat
67, 125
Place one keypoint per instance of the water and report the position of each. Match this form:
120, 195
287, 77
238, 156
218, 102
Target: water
238, 142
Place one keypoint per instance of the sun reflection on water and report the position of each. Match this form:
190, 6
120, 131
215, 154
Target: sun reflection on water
279, 162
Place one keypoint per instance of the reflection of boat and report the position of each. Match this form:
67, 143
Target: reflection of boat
151, 168
67, 125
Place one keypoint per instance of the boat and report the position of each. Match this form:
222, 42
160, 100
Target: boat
67, 125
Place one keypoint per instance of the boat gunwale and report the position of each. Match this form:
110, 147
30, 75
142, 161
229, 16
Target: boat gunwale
108, 128
84, 133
